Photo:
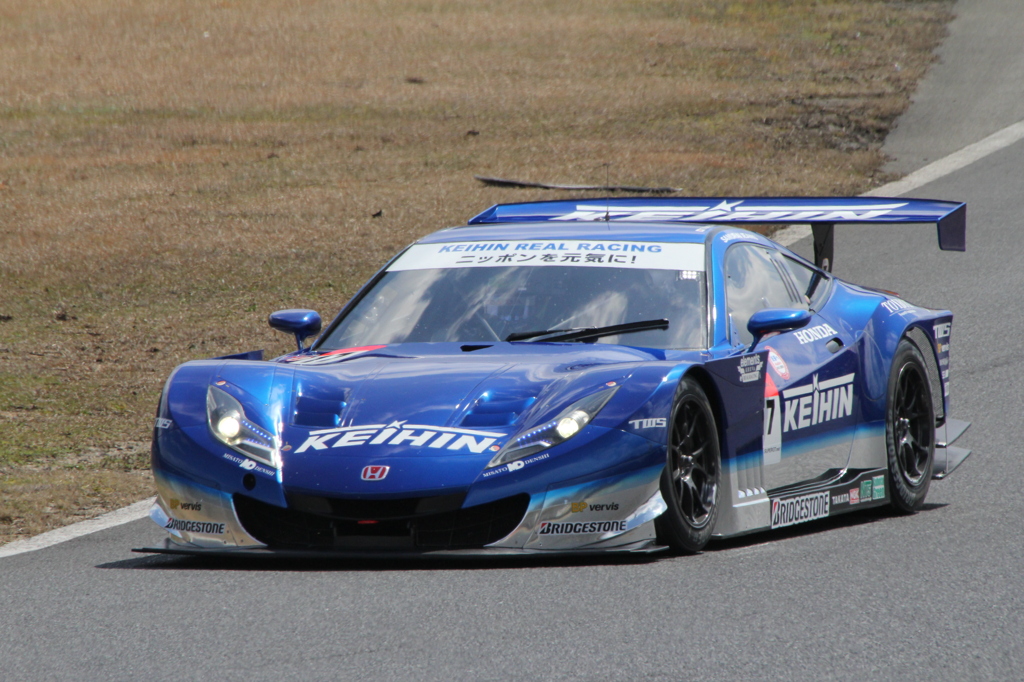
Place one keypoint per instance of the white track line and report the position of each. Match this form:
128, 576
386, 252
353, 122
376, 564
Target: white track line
115, 518
933, 171
922, 176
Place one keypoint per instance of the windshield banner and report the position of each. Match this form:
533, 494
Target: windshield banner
566, 252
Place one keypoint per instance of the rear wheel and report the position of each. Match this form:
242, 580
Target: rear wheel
909, 429
689, 483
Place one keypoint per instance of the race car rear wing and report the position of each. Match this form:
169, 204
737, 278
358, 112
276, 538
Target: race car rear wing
822, 213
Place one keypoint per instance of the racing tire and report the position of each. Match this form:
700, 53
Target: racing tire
690, 481
909, 429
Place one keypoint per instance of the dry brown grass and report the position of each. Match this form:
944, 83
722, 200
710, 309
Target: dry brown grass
173, 170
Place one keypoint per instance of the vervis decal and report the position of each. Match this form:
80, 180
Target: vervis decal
586, 506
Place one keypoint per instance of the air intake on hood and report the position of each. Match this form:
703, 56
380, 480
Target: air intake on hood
317, 413
498, 409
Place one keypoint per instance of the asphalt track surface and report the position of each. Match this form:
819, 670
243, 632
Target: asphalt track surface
936, 595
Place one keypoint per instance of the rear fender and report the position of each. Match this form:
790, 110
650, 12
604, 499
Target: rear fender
930, 331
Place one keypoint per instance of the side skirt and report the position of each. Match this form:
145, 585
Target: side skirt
838, 491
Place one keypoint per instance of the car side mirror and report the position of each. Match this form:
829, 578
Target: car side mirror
771, 320
302, 323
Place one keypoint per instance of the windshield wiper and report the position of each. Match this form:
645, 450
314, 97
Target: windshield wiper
580, 333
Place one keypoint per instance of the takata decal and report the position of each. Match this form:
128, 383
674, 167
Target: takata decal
581, 528
822, 331
571, 252
205, 527
789, 511
400, 433
728, 211
750, 368
330, 356
777, 363
818, 402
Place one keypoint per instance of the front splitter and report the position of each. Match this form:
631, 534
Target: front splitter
170, 548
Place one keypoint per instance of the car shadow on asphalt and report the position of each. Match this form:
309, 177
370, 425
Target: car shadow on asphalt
169, 562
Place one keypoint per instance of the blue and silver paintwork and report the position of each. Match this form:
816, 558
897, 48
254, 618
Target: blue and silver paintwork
812, 420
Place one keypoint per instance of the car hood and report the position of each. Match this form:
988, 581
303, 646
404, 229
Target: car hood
435, 414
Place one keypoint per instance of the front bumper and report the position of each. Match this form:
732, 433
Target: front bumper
614, 513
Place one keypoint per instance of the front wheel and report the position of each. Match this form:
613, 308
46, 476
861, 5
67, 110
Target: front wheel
689, 483
909, 429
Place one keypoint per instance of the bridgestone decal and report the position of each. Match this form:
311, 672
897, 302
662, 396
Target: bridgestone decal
582, 528
787, 512
195, 526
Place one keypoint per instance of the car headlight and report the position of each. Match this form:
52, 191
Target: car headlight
229, 425
567, 424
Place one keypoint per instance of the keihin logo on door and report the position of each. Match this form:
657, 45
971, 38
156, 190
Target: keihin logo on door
375, 472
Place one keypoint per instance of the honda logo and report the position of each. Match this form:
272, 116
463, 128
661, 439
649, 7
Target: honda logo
375, 472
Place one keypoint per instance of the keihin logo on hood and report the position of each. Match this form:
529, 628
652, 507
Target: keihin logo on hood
400, 433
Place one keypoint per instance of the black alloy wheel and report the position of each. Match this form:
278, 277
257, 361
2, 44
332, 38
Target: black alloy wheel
690, 482
909, 429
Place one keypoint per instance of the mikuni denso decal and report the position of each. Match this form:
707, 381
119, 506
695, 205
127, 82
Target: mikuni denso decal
400, 433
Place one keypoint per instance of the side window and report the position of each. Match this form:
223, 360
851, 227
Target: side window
753, 282
812, 283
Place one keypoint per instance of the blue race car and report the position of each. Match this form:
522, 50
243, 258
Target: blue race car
616, 375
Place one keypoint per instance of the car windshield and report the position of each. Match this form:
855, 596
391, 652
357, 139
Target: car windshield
488, 302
